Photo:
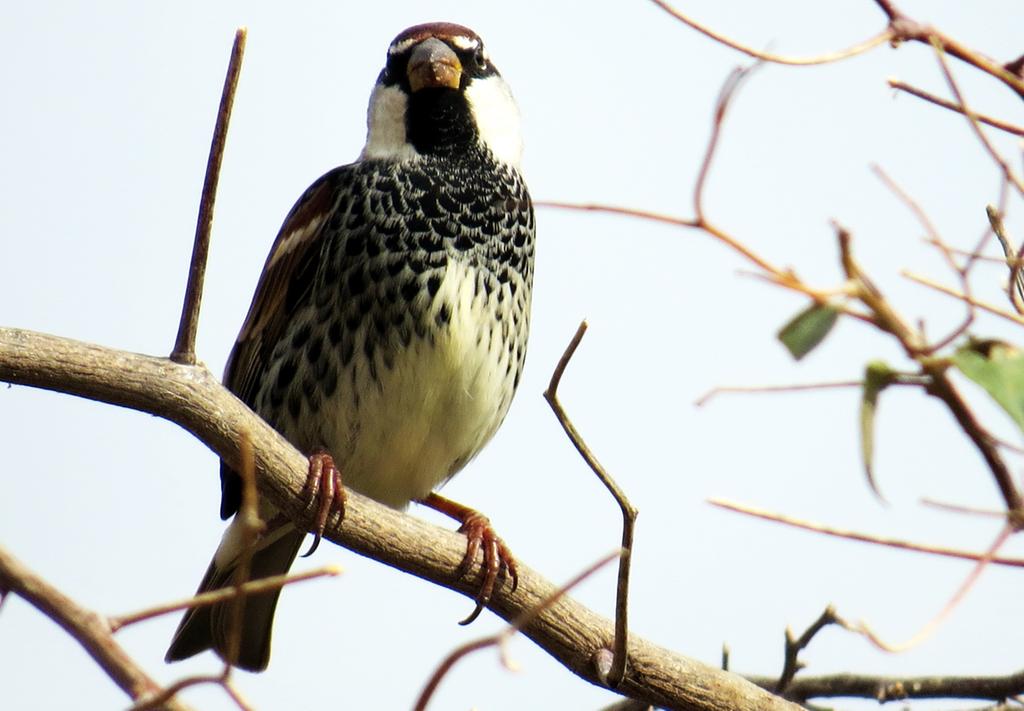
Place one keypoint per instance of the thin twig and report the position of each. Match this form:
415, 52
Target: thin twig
629, 512
906, 29
251, 527
185, 344
972, 118
939, 101
862, 537
973, 254
729, 86
499, 639
215, 597
859, 48
961, 509
936, 238
801, 387
984, 306
961, 592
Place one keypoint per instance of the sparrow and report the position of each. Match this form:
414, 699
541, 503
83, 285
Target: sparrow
388, 330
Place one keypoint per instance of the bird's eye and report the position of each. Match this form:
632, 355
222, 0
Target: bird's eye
480, 58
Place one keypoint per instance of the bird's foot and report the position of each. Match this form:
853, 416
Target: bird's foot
323, 488
479, 535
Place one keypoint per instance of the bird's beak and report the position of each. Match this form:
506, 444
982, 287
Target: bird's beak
433, 64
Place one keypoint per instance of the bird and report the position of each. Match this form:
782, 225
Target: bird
388, 330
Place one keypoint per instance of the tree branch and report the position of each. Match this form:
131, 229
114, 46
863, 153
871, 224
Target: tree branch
192, 397
995, 688
185, 343
89, 629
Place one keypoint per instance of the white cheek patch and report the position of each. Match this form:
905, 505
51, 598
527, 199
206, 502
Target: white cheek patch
497, 118
460, 42
385, 123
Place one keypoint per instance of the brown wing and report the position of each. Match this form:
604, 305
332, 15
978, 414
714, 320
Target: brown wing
287, 277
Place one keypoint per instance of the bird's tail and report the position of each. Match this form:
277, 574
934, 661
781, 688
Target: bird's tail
211, 627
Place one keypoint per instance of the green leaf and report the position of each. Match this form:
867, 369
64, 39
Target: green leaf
807, 329
999, 368
877, 377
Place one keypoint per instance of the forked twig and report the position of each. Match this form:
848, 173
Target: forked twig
794, 645
906, 29
185, 343
620, 645
972, 118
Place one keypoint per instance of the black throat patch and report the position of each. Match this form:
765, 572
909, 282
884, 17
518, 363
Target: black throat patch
438, 121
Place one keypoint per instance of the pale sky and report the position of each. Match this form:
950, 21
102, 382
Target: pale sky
107, 113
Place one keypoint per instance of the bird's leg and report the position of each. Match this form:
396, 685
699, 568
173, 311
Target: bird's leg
479, 534
323, 486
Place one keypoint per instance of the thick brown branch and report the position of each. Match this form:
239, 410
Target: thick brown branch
192, 397
89, 629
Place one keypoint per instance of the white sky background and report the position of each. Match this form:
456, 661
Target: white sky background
107, 111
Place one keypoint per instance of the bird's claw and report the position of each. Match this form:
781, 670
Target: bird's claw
480, 534
323, 487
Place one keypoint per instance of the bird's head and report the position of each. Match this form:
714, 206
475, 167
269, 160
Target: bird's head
439, 93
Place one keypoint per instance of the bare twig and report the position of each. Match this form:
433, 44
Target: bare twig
800, 387
882, 689
984, 306
906, 29
168, 695
863, 537
972, 118
629, 513
936, 239
961, 509
961, 592
725, 95
859, 48
939, 101
214, 597
794, 646
499, 639
251, 527
185, 344
84, 626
